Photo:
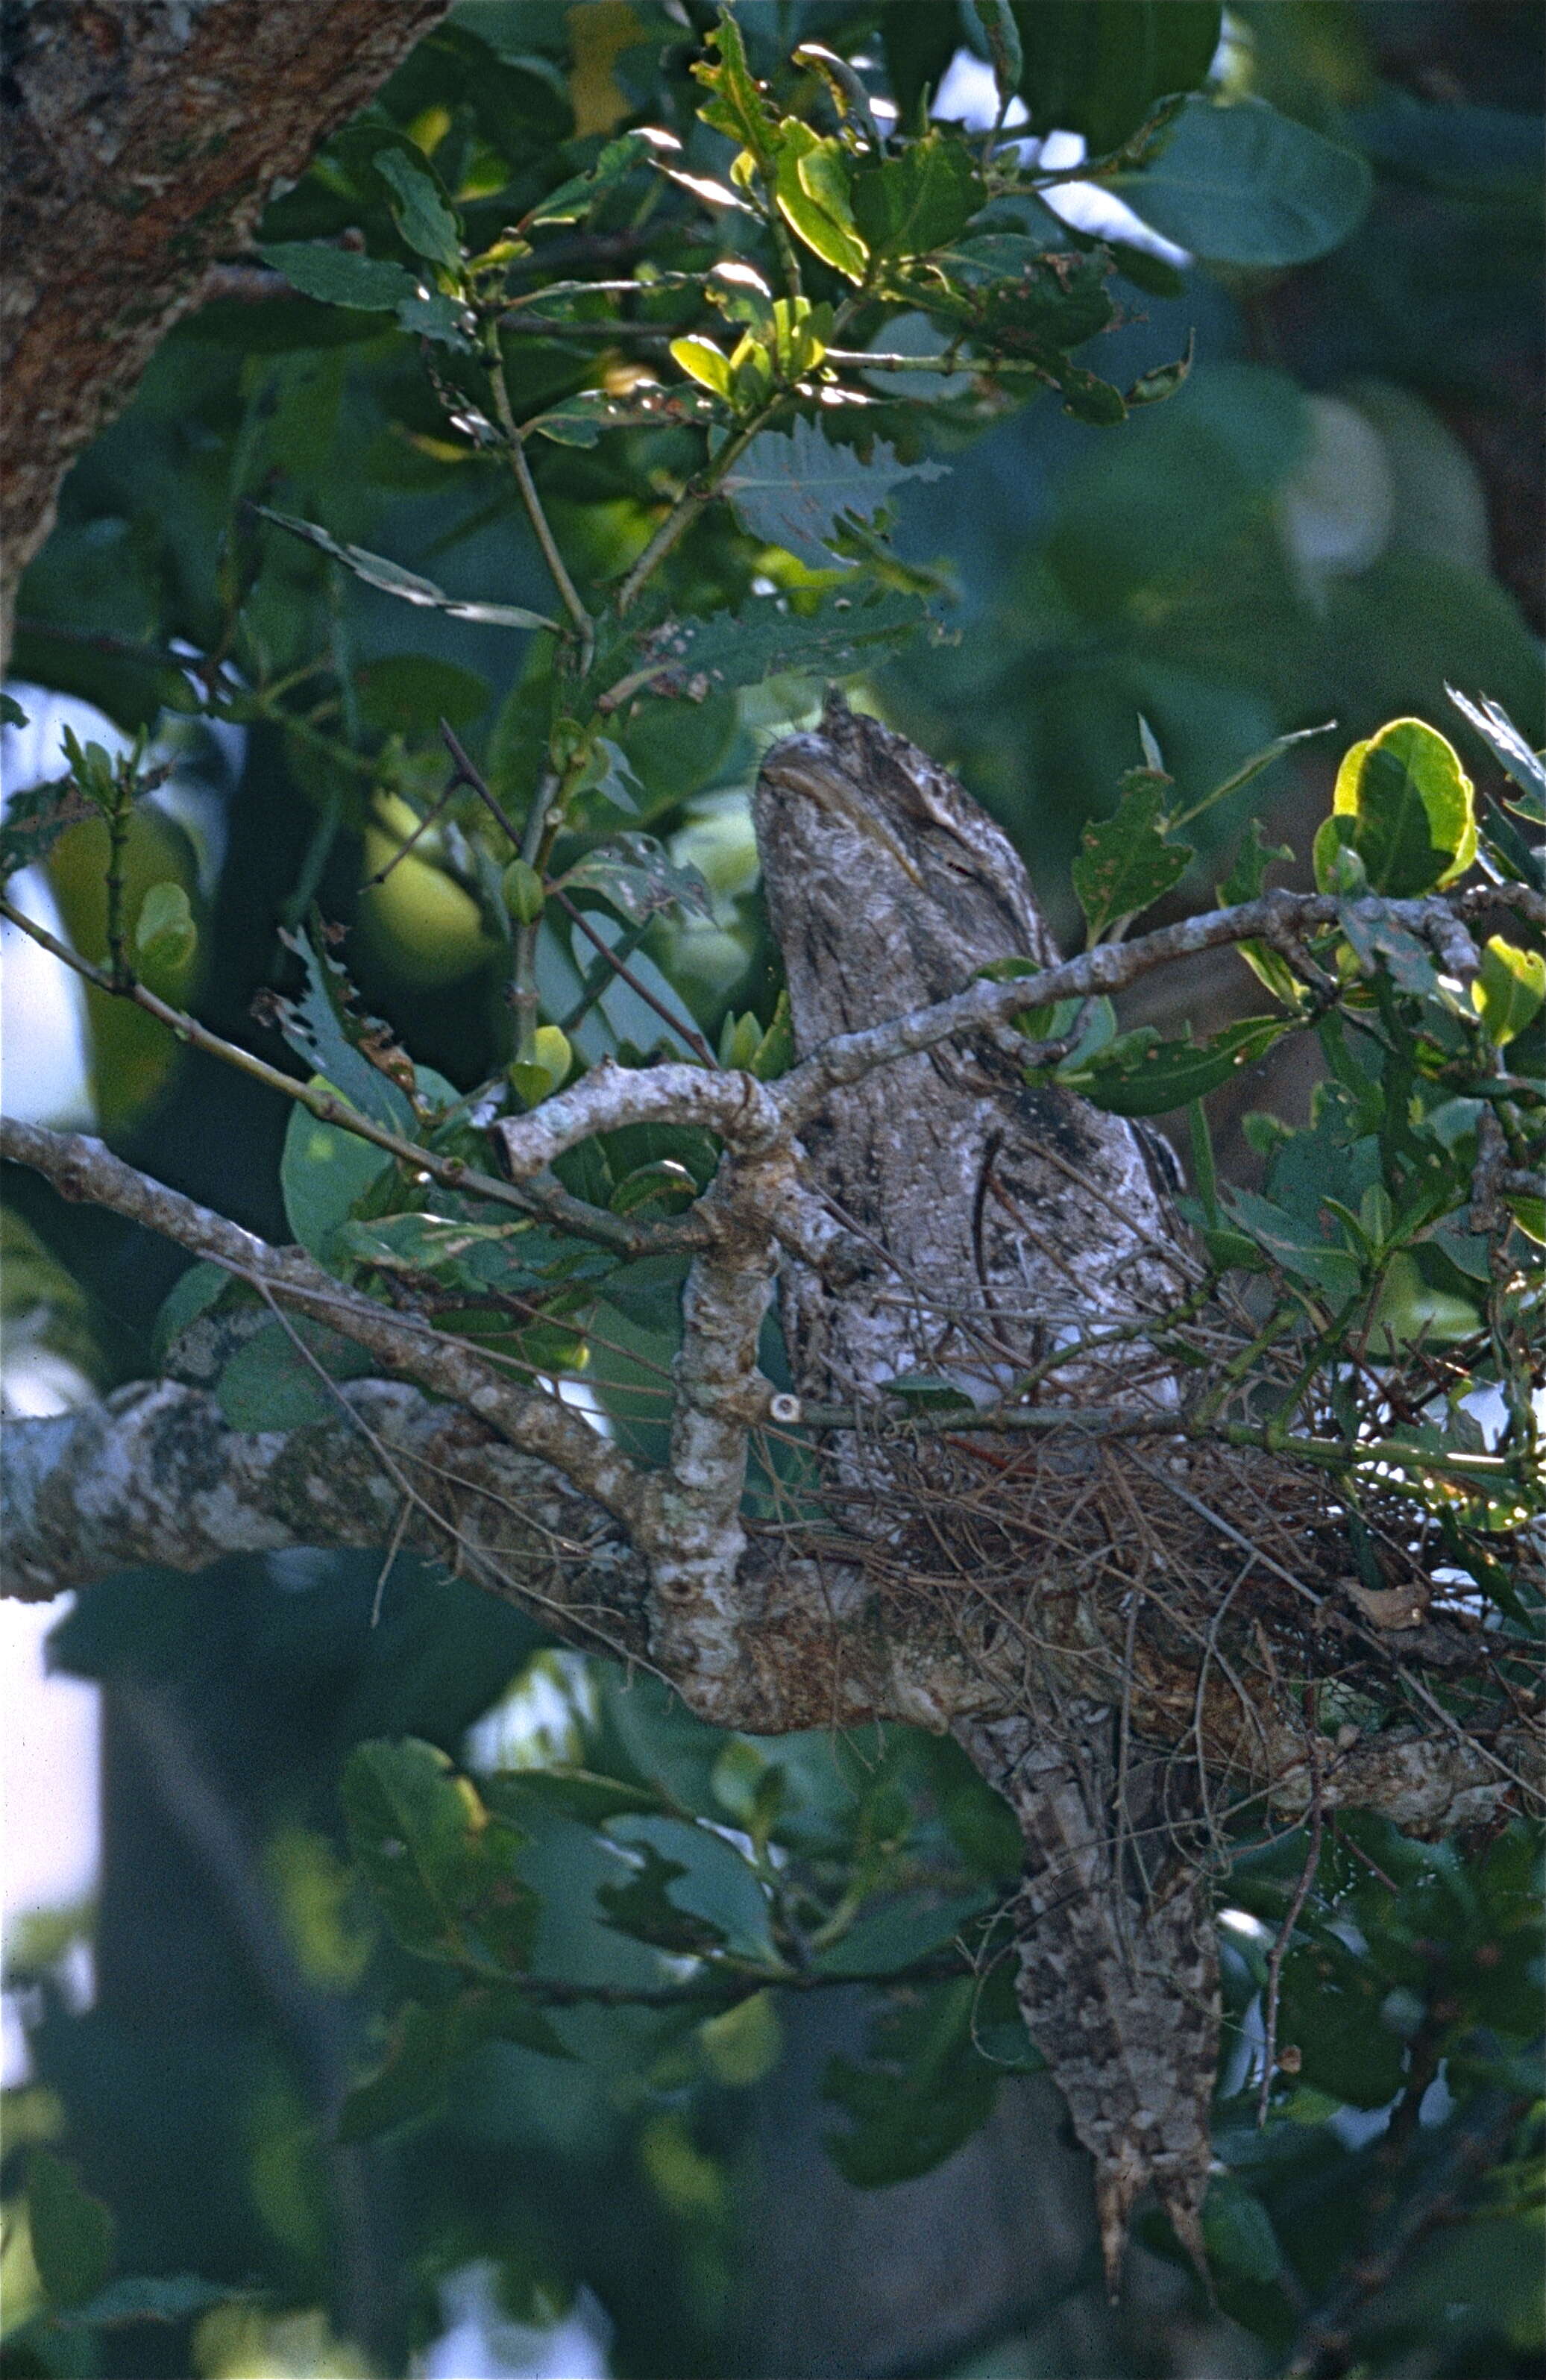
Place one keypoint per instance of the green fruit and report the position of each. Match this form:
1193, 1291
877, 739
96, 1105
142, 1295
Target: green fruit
523, 895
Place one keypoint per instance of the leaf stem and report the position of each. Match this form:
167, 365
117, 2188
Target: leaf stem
584, 627
691, 502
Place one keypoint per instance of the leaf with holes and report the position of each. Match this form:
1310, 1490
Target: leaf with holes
795, 488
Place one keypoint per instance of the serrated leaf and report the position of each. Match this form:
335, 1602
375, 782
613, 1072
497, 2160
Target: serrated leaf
322, 1028
391, 578
35, 819
419, 208
1411, 808
1244, 185
736, 106
1126, 864
639, 878
337, 276
72, 2232
769, 638
794, 489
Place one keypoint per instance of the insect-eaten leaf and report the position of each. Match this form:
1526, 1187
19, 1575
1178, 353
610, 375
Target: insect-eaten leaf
639, 878
1139, 1075
1127, 863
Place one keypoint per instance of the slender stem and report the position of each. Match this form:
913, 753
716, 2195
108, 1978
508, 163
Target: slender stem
1301, 1894
122, 974
555, 1206
584, 627
620, 967
691, 502
602, 972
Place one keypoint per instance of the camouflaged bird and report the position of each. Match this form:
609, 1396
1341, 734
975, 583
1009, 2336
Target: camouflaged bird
999, 1218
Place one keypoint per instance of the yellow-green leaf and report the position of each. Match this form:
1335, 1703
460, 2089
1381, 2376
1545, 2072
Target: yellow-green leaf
1412, 807
1509, 990
704, 363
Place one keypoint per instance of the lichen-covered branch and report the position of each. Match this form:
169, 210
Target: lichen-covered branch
530, 1419
140, 142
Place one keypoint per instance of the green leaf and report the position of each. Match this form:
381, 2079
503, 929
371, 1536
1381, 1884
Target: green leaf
691, 1879
193, 1293
72, 2233
838, 634
1294, 1243
322, 1028
794, 489
736, 107
419, 208
322, 1173
391, 578
928, 1394
1098, 66
1237, 2231
154, 2297
919, 38
703, 363
1242, 185
1377, 939
430, 2043
438, 1862
11, 712
925, 2091
337, 276
1411, 807
1003, 38
410, 694
269, 1384
914, 203
639, 878
1126, 864
1244, 774
166, 939
1509, 990
1496, 729
1139, 1075
564, 1789
573, 200
887, 1939
816, 199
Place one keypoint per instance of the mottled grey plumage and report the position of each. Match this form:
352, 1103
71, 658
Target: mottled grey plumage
999, 1218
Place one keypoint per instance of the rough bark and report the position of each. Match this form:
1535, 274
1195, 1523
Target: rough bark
141, 140
1065, 1606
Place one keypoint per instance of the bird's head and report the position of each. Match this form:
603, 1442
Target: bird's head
887, 885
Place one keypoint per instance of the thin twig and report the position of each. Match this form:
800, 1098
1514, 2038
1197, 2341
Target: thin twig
1316, 1818
620, 967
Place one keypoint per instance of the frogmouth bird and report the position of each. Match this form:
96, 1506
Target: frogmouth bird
999, 1221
